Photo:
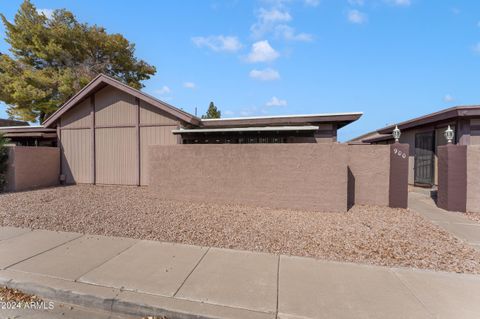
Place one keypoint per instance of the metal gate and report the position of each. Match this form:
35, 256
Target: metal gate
424, 158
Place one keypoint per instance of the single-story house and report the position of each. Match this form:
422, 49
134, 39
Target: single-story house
105, 129
20, 133
9, 122
424, 134
30, 135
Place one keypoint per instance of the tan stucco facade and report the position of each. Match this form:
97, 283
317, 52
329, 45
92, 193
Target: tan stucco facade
298, 176
475, 132
32, 167
473, 178
317, 177
105, 130
370, 167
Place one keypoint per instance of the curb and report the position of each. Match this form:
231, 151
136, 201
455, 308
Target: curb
121, 302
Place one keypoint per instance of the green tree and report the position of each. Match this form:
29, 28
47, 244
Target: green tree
3, 161
53, 58
212, 112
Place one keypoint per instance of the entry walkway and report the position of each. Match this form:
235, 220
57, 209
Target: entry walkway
153, 278
453, 222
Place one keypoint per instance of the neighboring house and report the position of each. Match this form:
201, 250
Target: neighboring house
22, 134
9, 122
105, 129
424, 134
30, 135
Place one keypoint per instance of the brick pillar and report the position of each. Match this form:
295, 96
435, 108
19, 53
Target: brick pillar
398, 191
452, 177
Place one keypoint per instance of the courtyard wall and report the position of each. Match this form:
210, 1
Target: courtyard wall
32, 167
319, 177
473, 178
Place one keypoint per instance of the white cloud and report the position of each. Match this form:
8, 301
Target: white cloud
265, 74
262, 52
268, 19
312, 3
275, 101
274, 15
228, 112
357, 17
356, 2
263, 110
277, 19
218, 43
189, 85
448, 98
476, 48
288, 33
163, 90
47, 12
401, 3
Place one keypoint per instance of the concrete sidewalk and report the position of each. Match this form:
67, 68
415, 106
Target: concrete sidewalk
135, 277
453, 222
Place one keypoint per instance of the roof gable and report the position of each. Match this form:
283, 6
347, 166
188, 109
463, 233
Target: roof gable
101, 81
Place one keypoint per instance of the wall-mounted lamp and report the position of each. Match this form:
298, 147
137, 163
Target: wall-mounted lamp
396, 134
449, 134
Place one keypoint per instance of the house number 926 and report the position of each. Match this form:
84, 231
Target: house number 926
399, 153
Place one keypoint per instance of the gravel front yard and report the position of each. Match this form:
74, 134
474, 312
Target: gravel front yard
366, 234
473, 216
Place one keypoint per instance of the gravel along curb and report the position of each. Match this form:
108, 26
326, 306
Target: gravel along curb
134, 304
365, 234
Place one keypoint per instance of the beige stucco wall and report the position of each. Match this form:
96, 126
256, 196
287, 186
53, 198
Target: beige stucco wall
408, 137
475, 132
370, 169
154, 135
32, 167
473, 178
296, 176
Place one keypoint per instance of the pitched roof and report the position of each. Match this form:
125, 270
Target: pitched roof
449, 114
446, 114
100, 82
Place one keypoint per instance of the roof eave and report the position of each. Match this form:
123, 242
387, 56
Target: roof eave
387, 137
9, 129
101, 78
450, 113
246, 129
340, 119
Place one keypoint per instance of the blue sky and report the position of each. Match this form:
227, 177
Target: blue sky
391, 59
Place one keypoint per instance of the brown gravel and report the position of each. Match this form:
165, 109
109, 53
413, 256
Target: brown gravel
9, 294
366, 234
473, 216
